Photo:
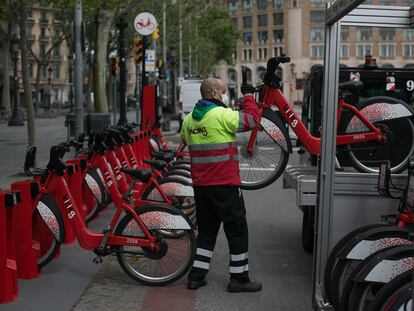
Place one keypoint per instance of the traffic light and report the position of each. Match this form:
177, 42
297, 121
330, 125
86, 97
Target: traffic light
137, 49
156, 33
161, 68
114, 66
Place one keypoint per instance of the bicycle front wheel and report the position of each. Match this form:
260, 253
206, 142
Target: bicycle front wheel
170, 263
268, 160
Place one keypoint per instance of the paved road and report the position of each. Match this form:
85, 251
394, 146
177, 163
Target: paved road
73, 282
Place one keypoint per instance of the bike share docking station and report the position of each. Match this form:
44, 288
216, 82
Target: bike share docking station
343, 200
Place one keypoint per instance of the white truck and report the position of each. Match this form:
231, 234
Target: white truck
189, 94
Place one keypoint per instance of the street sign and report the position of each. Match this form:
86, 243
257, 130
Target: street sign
149, 60
145, 23
339, 9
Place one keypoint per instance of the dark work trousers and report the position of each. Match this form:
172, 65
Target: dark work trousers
216, 204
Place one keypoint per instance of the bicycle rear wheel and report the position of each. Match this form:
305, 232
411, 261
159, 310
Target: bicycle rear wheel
367, 156
176, 255
268, 160
47, 229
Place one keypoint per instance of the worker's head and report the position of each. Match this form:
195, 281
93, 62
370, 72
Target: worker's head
212, 88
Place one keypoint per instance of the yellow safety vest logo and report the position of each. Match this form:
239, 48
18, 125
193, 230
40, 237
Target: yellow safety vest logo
198, 130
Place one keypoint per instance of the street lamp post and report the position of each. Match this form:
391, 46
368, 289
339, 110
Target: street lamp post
16, 118
49, 82
71, 82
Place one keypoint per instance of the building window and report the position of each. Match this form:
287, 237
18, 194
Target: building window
344, 51
262, 53
233, 7
364, 49
261, 4
262, 36
317, 34
406, 2
317, 2
408, 35
364, 33
277, 4
294, 3
56, 71
247, 5
317, 17
387, 34
277, 18
247, 21
247, 55
234, 22
56, 52
277, 51
317, 51
30, 68
42, 50
42, 32
408, 50
29, 32
234, 55
387, 51
262, 20
43, 16
278, 35
247, 37
43, 72
344, 33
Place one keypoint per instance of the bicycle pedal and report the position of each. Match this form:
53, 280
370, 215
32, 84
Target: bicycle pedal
98, 260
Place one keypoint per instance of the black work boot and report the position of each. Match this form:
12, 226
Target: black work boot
196, 284
236, 286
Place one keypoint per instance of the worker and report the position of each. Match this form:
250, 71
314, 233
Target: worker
210, 133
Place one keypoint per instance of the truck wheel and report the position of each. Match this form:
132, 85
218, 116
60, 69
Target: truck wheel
307, 228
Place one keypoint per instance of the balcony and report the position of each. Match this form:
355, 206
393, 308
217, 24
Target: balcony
30, 20
44, 21
44, 38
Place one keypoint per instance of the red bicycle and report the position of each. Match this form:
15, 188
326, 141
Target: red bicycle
143, 240
377, 129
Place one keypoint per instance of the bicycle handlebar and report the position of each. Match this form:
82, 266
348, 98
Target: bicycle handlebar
274, 62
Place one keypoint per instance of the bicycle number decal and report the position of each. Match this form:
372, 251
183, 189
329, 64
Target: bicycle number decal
410, 85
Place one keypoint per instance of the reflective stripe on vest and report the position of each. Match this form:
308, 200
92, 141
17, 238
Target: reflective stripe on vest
243, 117
212, 153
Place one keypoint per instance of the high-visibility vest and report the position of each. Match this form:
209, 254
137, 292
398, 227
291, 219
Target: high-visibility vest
213, 146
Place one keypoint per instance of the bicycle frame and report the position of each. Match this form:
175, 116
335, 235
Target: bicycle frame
57, 186
274, 97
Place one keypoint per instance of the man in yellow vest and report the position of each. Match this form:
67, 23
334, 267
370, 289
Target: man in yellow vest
210, 133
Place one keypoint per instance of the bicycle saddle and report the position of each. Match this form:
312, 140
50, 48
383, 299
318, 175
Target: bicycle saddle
141, 175
168, 157
157, 164
352, 86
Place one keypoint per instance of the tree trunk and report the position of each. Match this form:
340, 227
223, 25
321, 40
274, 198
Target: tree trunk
25, 74
6, 78
37, 88
104, 22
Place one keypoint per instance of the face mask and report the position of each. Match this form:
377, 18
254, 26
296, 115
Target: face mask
225, 99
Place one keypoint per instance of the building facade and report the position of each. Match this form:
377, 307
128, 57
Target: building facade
296, 28
41, 28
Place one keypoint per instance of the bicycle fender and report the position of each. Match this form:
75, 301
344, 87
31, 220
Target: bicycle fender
376, 112
373, 240
45, 206
95, 184
276, 130
172, 187
384, 266
171, 219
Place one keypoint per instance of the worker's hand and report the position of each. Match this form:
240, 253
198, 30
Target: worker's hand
247, 89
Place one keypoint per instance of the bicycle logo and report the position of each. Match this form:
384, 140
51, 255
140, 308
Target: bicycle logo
145, 25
